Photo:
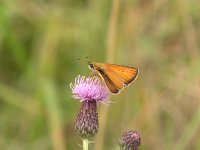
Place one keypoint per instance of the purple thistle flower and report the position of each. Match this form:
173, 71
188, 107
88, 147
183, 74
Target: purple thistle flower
130, 140
89, 89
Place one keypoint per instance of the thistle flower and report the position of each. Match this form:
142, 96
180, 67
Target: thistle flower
129, 140
89, 89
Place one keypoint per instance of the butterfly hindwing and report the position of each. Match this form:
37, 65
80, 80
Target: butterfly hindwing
113, 81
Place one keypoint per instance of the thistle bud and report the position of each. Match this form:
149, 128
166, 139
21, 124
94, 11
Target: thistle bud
130, 140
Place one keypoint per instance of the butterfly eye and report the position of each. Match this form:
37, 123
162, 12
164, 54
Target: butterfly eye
91, 66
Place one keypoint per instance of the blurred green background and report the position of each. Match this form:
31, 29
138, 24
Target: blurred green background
40, 42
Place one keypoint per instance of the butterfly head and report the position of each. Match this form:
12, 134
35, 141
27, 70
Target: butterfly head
90, 65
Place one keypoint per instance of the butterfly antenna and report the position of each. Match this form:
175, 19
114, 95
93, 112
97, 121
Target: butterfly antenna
83, 58
88, 59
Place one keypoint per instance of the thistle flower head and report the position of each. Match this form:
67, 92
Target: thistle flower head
129, 140
89, 89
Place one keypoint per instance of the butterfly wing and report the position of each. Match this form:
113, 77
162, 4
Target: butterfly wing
129, 74
116, 77
113, 81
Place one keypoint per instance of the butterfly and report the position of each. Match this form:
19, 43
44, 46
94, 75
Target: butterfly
116, 77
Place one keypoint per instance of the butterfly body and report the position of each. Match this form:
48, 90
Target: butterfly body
116, 77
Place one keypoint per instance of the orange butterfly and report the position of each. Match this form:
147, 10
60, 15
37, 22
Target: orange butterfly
116, 77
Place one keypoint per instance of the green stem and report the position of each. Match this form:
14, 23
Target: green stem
85, 144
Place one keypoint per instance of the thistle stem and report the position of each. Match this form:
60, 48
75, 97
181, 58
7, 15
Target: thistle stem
85, 144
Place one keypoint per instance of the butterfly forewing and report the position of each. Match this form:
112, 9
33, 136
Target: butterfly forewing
129, 74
